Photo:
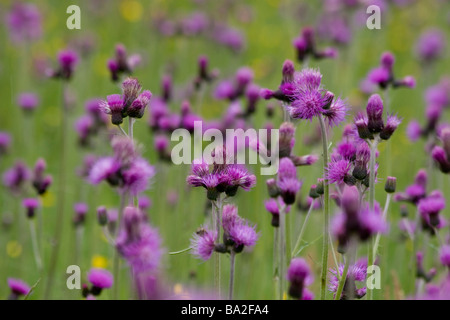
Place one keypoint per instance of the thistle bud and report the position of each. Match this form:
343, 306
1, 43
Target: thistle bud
375, 114
102, 216
390, 185
313, 192
319, 187
272, 188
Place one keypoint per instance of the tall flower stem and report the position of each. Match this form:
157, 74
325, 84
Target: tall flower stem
302, 231
217, 218
373, 151
343, 279
60, 223
232, 267
34, 240
276, 262
377, 239
326, 217
78, 244
282, 253
116, 258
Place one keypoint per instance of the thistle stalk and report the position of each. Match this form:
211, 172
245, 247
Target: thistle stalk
326, 217
60, 223
232, 267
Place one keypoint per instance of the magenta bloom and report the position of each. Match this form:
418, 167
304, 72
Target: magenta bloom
15, 177
139, 243
80, 209
414, 131
336, 113
137, 177
430, 207
5, 142
338, 171
243, 234
30, 204
444, 255
287, 181
308, 97
100, 278
299, 276
114, 105
356, 273
28, 101
67, 59
18, 288
104, 169
203, 243
430, 45
24, 22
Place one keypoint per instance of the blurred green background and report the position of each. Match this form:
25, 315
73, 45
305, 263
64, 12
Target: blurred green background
269, 28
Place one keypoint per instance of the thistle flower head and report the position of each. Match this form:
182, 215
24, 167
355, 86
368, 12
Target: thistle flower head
18, 287
137, 107
336, 113
243, 235
137, 177
444, 255
338, 171
130, 91
100, 278
392, 123
203, 243
30, 205
287, 181
299, 276
28, 101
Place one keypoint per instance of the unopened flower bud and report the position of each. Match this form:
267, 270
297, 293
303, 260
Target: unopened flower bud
390, 185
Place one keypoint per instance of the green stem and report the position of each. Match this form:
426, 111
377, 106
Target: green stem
60, 223
35, 244
282, 252
116, 257
276, 265
217, 218
377, 239
343, 279
373, 151
302, 231
232, 267
326, 217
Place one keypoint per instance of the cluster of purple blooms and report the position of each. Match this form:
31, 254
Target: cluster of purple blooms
238, 234
125, 169
223, 175
383, 76
67, 61
305, 46
122, 63
131, 103
199, 24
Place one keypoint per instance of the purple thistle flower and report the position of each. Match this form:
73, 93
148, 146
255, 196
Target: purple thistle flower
28, 101
30, 205
444, 255
272, 207
230, 218
5, 142
15, 177
338, 171
114, 105
137, 177
100, 279
130, 89
392, 122
375, 114
67, 59
287, 181
380, 76
24, 22
414, 131
105, 169
80, 210
243, 235
84, 126
430, 207
356, 272
308, 99
440, 156
203, 243
18, 288
336, 113
430, 45
237, 176
299, 275
137, 108
139, 243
